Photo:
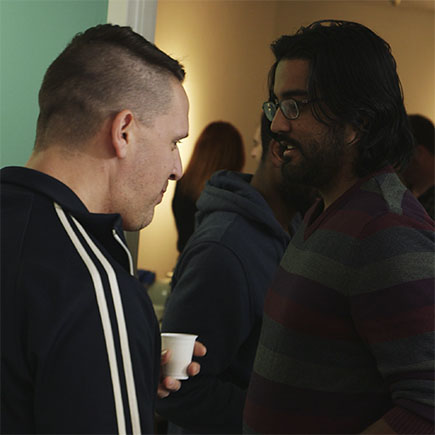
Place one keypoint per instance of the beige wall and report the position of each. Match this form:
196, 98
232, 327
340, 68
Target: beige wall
409, 29
224, 46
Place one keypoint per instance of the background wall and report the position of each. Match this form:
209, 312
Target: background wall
220, 44
224, 46
408, 28
32, 34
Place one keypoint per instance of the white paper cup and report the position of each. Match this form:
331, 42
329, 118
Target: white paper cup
181, 347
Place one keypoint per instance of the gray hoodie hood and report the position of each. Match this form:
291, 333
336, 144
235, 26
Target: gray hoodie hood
230, 191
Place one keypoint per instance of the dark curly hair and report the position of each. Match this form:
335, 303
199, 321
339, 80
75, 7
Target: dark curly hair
353, 80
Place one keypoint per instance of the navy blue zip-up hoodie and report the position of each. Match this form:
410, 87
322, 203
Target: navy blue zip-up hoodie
80, 345
218, 290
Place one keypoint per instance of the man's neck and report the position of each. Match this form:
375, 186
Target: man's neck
83, 176
338, 186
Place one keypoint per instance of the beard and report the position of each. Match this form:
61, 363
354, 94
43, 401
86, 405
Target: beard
319, 162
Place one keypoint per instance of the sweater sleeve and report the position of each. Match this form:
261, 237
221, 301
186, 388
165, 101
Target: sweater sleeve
393, 310
209, 298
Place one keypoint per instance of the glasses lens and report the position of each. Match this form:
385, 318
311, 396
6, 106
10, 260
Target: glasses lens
290, 109
269, 110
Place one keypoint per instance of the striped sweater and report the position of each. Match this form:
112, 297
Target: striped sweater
348, 329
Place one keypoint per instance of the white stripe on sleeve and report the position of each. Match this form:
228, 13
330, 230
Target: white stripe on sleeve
123, 337
105, 319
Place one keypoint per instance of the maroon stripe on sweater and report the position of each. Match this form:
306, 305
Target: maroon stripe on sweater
352, 217
391, 220
344, 222
425, 411
277, 396
302, 291
272, 407
416, 294
304, 320
268, 421
402, 325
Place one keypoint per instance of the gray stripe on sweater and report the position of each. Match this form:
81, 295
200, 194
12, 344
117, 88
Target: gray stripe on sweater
393, 192
389, 242
394, 271
340, 353
317, 268
420, 391
405, 361
412, 266
302, 374
391, 189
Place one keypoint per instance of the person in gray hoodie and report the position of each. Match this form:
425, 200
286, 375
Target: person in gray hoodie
243, 226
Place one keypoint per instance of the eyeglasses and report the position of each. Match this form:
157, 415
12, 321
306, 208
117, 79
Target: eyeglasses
290, 108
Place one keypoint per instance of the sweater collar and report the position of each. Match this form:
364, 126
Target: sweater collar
316, 215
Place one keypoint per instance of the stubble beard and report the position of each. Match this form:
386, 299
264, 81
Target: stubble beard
319, 163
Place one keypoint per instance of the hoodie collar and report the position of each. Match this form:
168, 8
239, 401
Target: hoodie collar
57, 191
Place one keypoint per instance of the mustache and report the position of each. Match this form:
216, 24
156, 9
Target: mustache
284, 141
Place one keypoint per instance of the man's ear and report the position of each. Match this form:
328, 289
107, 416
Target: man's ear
275, 153
122, 127
351, 135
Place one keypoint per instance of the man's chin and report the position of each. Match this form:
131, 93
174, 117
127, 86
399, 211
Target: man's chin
147, 221
294, 174
138, 224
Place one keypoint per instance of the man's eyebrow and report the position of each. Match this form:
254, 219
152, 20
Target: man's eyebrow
294, 93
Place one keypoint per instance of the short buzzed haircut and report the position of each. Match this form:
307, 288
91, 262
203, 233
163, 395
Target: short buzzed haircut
103, 71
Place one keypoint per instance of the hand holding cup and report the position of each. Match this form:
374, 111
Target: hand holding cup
176, 361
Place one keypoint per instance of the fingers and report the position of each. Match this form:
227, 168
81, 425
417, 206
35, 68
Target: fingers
193, 369
167, 385
162, 393
199, 349
165, 356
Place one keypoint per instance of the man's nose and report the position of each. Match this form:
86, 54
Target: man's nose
178, 168
280, 123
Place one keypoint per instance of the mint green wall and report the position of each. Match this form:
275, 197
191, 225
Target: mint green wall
32, 34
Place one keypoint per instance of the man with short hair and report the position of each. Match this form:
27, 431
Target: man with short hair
80, 343
347, 342
243, 227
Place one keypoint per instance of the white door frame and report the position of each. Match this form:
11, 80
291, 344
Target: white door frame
140, 15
